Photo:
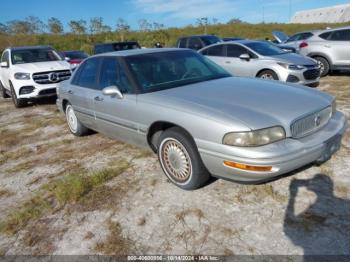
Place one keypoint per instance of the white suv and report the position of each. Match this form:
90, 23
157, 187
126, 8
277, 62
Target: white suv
31, 72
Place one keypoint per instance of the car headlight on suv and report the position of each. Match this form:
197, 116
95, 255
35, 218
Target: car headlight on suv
22, 76
291, 66
255, 138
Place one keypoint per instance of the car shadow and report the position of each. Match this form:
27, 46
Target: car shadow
340, 73
323, 228
42, 101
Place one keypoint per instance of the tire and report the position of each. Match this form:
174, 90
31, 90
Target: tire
324, 64
180, 160
17, 101
3, 91
75, 126
268, 74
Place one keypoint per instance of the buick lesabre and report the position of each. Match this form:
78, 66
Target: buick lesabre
199, 119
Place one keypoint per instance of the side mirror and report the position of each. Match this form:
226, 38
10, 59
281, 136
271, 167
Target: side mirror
245, 56
112, 91
4, 64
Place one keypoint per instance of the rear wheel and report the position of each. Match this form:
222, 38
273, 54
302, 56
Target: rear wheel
268, 74
324, 65
18, 102
3, 91
180, 160
75, 126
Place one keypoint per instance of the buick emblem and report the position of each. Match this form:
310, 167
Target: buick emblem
317, 120
53, 77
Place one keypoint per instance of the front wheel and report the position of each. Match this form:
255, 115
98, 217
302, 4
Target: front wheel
268, 74
180, 160
75, 126
324, 65
17, 101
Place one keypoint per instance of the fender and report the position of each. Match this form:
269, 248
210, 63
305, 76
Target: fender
313, 54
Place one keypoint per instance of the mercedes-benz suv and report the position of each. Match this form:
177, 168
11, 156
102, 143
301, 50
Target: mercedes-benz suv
31, 72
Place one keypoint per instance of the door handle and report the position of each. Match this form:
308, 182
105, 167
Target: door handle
97, 98
70, 92
228, 62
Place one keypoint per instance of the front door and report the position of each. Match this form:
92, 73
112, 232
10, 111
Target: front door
116, 117
5, 71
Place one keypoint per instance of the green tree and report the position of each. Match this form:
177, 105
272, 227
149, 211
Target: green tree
36, 26
55, 26
122, 28
18, 27
97, 26
77, 26
144, 25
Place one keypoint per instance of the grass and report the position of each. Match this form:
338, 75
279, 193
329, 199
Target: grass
259, 192
5, 193
14, 155
115, 243
67, 190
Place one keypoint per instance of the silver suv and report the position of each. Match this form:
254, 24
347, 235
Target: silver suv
331, 49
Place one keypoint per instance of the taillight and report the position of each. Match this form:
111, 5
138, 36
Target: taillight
303, 44
74, 61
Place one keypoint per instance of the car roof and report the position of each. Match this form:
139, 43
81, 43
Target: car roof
117, 43
15, 48
197, 36
131, 52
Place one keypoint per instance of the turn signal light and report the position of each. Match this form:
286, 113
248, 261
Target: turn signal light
248, 167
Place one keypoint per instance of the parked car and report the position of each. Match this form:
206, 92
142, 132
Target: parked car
199, 119
197, 42
74, 57
116, 46
330, 48
294, 41
250, 58
285, 48
31, 72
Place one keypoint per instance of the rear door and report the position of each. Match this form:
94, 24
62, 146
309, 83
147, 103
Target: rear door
338, 45
116, 117
216, 53
81, 89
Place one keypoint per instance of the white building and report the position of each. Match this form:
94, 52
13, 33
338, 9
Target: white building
333, 14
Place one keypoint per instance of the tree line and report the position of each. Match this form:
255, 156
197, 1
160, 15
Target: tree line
82, 34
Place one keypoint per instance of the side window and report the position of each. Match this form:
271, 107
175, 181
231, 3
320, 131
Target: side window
88, 75
325, 36
305, 36
194, 43
236, 50
5, 57
112, 74
295, 37
217, 50
340, 35
182, 43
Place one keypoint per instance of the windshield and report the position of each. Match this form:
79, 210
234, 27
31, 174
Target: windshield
75, 55
209, 40
34, 56
265, 49
164, 70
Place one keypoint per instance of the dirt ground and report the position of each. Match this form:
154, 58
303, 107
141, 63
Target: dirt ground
60, 194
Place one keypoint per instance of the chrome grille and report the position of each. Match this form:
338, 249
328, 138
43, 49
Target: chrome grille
311, 123
51, 76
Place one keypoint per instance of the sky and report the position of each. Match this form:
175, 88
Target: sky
171, 13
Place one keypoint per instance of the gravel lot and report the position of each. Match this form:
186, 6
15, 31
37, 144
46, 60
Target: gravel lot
60, 194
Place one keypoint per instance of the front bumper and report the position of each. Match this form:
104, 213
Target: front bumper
284, 156
298, 76
38, 90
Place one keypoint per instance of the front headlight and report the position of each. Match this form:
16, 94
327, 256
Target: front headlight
291, 66
255, 138
22, 76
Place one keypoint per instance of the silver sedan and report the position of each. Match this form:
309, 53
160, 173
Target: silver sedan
248, 58
199, 119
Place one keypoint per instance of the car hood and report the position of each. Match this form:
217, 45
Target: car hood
42, 66
255, 103
292, 58
280, 36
